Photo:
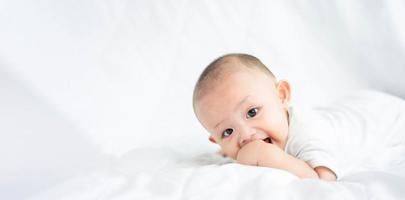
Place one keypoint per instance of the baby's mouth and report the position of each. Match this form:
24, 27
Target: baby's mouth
268, 140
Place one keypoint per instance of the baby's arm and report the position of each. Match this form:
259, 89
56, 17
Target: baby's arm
268, 155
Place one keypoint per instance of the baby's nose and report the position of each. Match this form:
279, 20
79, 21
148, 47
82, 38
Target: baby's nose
246, 136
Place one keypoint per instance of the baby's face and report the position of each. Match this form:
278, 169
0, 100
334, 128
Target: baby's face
246, 106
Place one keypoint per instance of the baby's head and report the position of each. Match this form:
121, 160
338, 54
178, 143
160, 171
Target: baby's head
238, 99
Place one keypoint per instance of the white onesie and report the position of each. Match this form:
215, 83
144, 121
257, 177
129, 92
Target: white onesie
354, 133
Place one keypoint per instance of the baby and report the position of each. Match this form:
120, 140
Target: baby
247, 112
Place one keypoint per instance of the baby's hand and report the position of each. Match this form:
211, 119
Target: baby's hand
248, 154
260, 153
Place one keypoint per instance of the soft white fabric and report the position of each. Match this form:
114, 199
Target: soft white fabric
170, 175
38, 146
349, 134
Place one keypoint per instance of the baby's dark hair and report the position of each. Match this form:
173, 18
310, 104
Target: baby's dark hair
223, 66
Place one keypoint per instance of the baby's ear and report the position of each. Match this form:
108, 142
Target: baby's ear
212, 139
284, 91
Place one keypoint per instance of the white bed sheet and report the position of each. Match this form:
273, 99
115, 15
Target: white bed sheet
165, 174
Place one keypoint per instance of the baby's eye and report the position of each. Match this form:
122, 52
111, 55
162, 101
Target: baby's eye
251, 113
227, 133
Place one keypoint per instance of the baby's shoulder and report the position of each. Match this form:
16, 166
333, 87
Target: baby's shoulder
305, 122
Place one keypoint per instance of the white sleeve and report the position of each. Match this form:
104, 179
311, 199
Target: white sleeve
318, 153
312, 142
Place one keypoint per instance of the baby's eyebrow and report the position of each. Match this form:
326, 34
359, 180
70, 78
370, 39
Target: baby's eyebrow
237, 105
